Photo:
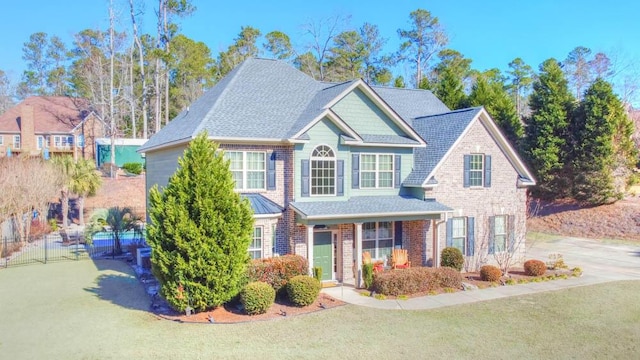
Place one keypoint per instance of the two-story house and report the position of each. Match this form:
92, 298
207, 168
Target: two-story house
334, 170
50, 126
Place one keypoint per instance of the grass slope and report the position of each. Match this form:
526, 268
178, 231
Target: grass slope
97, 310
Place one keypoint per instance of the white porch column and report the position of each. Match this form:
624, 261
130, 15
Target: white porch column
436, 243
310, 248
358, 242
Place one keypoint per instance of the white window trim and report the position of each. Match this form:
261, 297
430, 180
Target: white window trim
335, 171
38, 145
482, 157
377, 171
17, 140
58, 141
245, 171
256, 249
465, 233
377, 240
1, 139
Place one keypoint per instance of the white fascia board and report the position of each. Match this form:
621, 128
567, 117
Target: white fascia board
328, 113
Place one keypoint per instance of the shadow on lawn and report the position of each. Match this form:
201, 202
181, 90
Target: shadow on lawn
120, 288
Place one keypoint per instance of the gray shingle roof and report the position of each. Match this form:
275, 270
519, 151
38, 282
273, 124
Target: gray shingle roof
411, 103
269, 99
261, 205
368, 206
440, 132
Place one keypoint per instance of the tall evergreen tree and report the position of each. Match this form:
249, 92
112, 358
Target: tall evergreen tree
200, 231
450, 89
489, 91
602, 145
545, 144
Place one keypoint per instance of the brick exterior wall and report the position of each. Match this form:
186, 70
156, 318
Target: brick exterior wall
346, 246
502, 198
282, 195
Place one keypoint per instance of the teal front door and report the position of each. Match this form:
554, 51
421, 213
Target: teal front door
323, 253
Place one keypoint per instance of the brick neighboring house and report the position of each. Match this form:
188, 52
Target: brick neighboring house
334, 170
54, 124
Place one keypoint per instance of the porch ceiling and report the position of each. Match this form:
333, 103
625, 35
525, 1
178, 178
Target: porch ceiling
367, 208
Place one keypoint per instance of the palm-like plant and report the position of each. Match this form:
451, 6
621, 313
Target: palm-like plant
80, 178
121, 220
85, 181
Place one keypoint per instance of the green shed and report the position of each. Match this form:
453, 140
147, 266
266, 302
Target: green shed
125, 151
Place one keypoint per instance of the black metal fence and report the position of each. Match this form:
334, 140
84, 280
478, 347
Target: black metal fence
68, 246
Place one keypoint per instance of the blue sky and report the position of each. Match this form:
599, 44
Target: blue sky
491, 32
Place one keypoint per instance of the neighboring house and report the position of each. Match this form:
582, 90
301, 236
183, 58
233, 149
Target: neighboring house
50, 125
333, 170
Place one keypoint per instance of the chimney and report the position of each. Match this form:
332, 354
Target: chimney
27, 130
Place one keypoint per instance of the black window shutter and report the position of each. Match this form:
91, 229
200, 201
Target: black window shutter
492, 240
487, 171
449, 232
304, 188
471, 236
512, 232
340, 180
467, 169
398, 234
271, 171
396, 172
355, 171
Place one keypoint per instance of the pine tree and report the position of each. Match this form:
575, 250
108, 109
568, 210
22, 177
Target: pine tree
491, 94
200, 231
602, 145
546, 143
450, 90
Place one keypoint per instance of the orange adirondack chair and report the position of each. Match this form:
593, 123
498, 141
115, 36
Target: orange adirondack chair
400, 259
366, 259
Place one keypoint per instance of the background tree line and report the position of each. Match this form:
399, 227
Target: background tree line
139, 81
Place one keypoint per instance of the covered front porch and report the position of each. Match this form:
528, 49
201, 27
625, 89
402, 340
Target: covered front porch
333, 235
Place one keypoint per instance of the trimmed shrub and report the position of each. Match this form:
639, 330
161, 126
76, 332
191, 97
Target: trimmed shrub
277, 271
449, 278
133, 167
405, 281
534, 267
452, 257
303, 290
490, 273
317, 273
367, 275
257, 297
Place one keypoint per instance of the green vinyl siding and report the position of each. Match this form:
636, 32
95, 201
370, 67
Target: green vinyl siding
363, 116
325, 132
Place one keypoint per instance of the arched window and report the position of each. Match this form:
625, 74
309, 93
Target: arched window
323, 171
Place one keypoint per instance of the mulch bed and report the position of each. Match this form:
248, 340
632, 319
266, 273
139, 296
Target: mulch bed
232, 313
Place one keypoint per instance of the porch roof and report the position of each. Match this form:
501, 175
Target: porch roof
361, 208
262, 206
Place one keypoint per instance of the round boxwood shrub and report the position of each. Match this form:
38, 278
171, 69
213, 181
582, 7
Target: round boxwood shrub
257, 297
449, 278
534, 267
490, 273
452, 257
303, 290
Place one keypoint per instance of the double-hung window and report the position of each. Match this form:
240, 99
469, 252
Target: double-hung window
476, 171
500, 233
16, 141
255, 248
376, 171
40, 141
1, 140
459, 233
248, 169
378, 239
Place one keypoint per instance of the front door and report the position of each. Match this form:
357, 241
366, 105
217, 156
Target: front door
323, 253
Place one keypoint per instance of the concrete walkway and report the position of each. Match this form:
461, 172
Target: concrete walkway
600, 262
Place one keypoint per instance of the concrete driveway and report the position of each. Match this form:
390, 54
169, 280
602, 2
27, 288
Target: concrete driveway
601, 261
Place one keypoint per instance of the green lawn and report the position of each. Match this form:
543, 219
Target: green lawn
97, 310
